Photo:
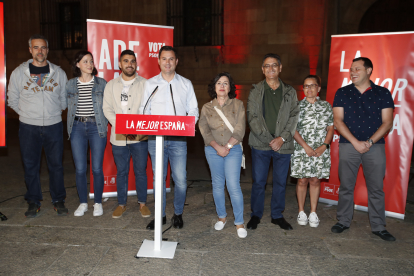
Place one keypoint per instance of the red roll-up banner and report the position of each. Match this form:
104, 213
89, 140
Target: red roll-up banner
106, 41
2, 80
392, 55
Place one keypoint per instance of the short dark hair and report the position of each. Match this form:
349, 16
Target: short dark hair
367, 62
315, 77
126, 52
167, 48
212, 85
270, 55
38, 36
78, 57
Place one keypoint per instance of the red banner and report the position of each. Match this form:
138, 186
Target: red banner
2, 80
106, 41
155, 125
392, 57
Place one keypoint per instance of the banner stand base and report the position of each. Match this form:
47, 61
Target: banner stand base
167, 250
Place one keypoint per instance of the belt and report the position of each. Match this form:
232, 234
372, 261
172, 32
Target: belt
85, 119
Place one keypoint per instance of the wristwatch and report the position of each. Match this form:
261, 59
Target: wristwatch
229, 146
283, 139
326, 145
370, 141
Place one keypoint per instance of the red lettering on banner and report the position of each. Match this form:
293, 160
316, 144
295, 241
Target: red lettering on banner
154, 48
155, 125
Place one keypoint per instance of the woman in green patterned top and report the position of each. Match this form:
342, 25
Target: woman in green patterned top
311, 160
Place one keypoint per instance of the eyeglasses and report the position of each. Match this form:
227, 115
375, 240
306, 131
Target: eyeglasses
222, 84
306, 86
267, 66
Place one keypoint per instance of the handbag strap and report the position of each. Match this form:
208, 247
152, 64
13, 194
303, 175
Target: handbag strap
221, 114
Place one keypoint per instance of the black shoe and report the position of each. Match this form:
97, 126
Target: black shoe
32, 211
177, 221
282, 223
60, 208
339, 228
151, 225
2, 217
253, 222
385, 235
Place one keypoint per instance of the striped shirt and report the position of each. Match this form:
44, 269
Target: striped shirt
85, 104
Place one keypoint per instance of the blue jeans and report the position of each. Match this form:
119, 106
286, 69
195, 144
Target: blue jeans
32, 139
226, 170
82, 133
260, 169
122, 157
175, 150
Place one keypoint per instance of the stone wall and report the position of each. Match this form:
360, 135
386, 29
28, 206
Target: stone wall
292, 29
298, 30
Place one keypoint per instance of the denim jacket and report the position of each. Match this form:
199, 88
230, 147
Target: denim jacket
72, 95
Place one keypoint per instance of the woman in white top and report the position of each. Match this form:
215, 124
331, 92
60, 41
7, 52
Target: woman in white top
87, 125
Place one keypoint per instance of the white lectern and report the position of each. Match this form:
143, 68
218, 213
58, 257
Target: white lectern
160, 126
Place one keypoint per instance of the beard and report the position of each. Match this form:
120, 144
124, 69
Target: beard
40, 58
126, 73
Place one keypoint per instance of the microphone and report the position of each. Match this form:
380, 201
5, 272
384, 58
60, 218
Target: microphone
153, 92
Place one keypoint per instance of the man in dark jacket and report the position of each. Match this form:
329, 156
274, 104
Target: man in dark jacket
272, 114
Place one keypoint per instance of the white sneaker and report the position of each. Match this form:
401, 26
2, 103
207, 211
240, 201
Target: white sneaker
97, 210
313, 220
302, 218
242, 232
219, 225
83, 207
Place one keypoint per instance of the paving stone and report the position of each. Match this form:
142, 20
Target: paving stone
21, 234
373, 247
98, 237
270, 242
215, 263
329, 266
122, 261
77, 260
358, 266
27, 258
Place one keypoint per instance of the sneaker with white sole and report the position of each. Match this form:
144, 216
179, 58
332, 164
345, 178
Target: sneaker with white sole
219, 225
302, 218
242, 232
83, 207
97, 210
313, 220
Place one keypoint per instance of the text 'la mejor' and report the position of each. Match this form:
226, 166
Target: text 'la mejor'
155, 125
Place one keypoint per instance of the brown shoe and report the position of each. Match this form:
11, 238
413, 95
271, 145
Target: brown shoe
119, 211
145, 212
